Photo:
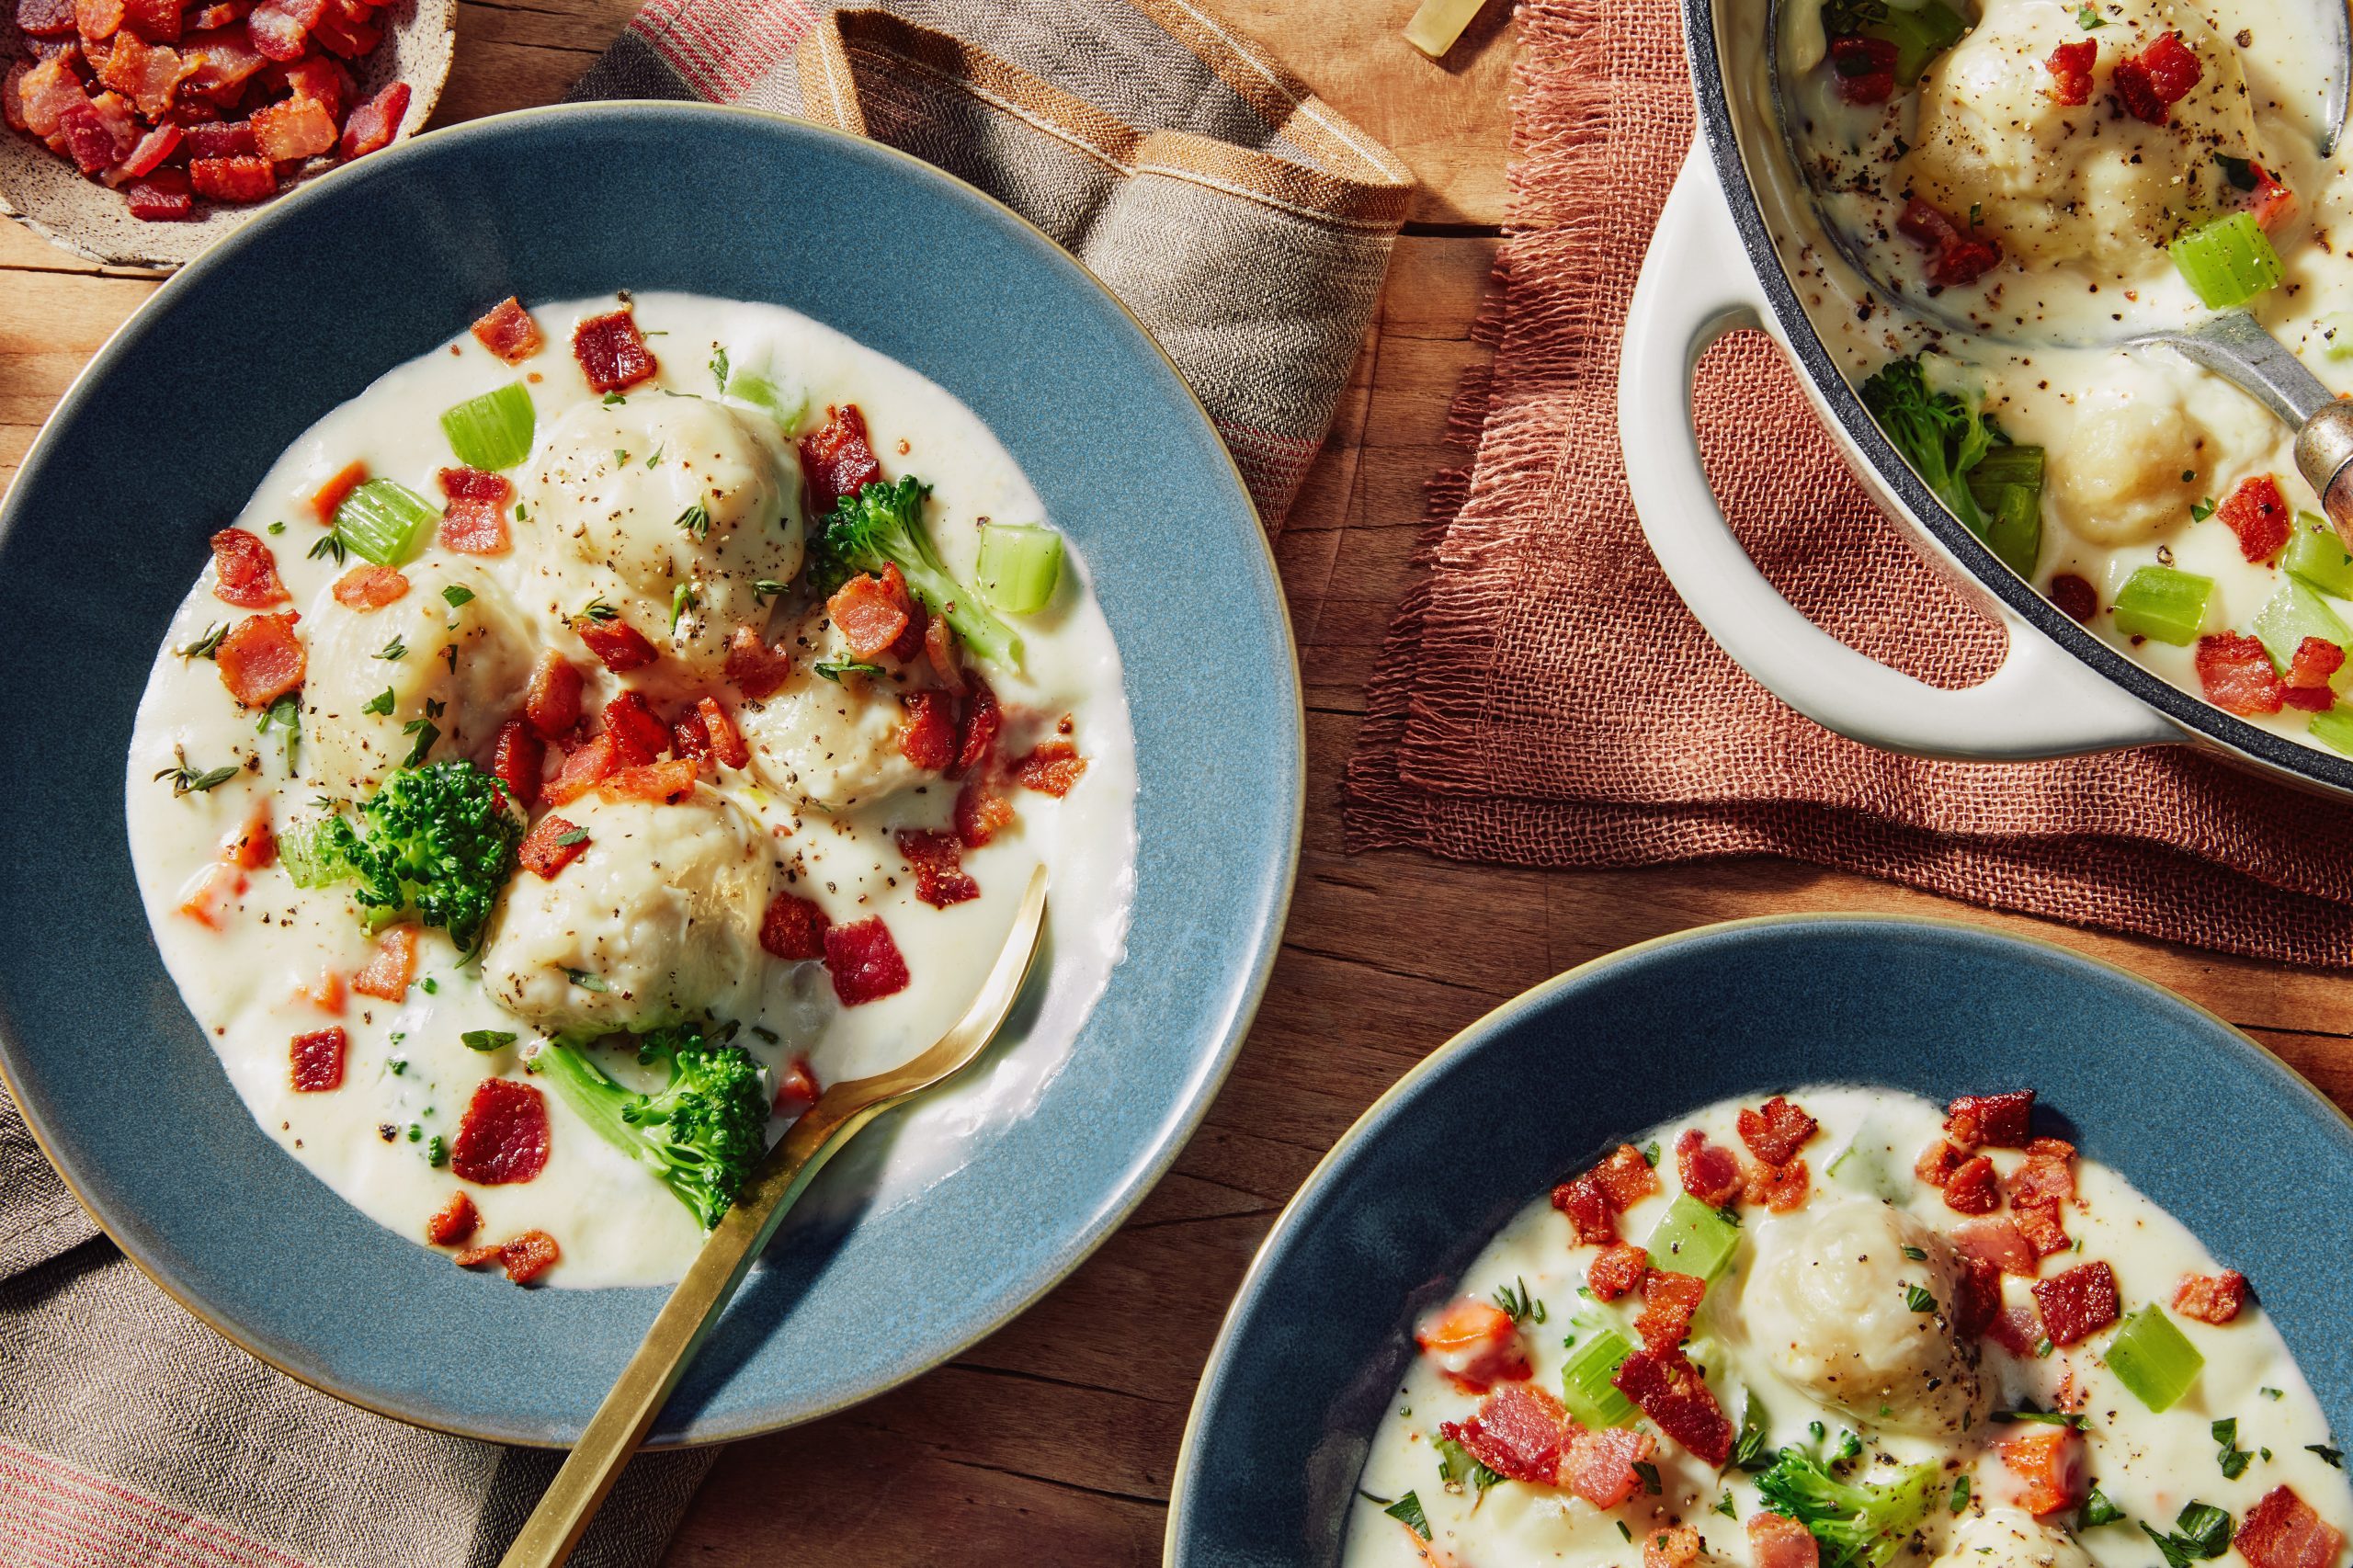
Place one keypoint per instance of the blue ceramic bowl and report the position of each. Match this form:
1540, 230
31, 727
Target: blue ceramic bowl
2196, 1113
163, 438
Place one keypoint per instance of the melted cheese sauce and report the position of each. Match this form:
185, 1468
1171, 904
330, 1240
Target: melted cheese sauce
2148, 1464
408, 1076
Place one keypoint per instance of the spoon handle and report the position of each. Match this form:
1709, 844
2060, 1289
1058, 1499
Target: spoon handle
2237, 347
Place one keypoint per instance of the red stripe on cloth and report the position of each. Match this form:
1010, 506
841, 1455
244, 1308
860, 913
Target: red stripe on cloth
1272, 465
107, 1525
722, 47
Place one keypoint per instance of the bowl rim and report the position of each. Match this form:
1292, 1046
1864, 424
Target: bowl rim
1473, 1033
1860, 434
1138, 1179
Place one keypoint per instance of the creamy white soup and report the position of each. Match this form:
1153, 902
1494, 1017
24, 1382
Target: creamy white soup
1846, 1329
603, 732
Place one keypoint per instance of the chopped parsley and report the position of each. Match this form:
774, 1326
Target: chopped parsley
277, 527
393, 650
718, 374
488, 1040
2200, 1531
2089, 18
1916, 1255
682, 600
208, 645
695, 519
1650, 1153
598, 610
577, 835
2044, 1417
1918, 1298
1456, 1466
1648, 1473
833, 669
1959, 1493
1724, 1507
2233, 1458
187, 780
1749, 1452
586, 980
765, 588
654, 458
613, 398
458, 596
1517, 1304
1406, 1510
2200, 510
2329, 1455
1623, 1532
427, 731
2098, 1510
381, 704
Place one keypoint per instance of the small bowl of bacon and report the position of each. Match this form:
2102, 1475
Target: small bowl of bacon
141, 131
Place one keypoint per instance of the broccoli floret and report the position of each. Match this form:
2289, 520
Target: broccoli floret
1859, 1524
435, 844
882, 526
1938, 432
703, 1133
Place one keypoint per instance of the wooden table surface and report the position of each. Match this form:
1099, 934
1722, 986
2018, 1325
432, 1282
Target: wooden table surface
1051, 1443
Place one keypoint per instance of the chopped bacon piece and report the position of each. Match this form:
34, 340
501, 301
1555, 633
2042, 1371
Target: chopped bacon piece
364, 589
318, 1059
2040, 1179
1979, 1297
928, 738
1864, 67
1973, 1188
2070, 65
507, 330
1672, 1546
1617, 1270
793, 929
97, 20
2257, 513
389, 970
455, 1223
232, 140
476, 1257
2237, 675
2040, 1224
863, 962
1626, 1177
503, 1137
245, 573
1669, 1301
2210, 1298
664, 783
338, 35
1954, 257
726, 740
1475, 1343
937, 860
868, 614
618, 646
1050, 768
1777, 1132
2075, 598
1999, 1243
234, 179
224, 59
160, 196
222, 14
260, 659
945, 654
100, 132
2315, 662
638, 735
690, 738
1709, 1175
2284, 1531
215, 889
46, 93
583, 770
552, 702
1780, 1188
2272, 203
1600, 1466
319, 79
982, 812
529, 1256
797, 1089
612, 352
474, 523
1999, 1121
2046, 1468
294, 130
1668, 1388
909, 642
1938, 1162
755, 669
551, 846
276, 31
253, 845
976, 729
157, 21
836, 459
45, 19
2078, 1303
1518, 1431
330, 495
518, 757
1592, 1217
145, 75
2015, 1328
1775, 1540
2159, 76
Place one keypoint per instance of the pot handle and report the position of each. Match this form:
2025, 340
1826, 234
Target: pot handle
1696, 286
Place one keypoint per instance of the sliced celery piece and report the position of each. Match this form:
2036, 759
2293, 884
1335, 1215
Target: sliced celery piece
2293, 613
1585, 1387
1863, 1166
2319, 557
493, 431
762, 392
1692, 1239
2164, 605
2006, 485
2152, 1359
2334, 730
382, 520
2227, 261
1020, 563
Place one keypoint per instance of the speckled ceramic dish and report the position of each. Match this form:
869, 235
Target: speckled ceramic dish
164, 437
2199, 1117
45, 193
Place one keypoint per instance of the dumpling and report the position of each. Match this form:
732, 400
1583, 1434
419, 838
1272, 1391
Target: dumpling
1831, 1304
677, 512
2009, 1538
374, 673
662, 908
2129, 472
831, 744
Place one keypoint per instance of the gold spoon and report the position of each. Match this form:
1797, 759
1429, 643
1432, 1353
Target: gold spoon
621, 1423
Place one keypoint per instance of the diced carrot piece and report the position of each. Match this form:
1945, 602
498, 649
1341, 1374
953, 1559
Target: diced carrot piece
207, 900
330, 495
388, 972
2046, 1468
1475, 1345
254, 846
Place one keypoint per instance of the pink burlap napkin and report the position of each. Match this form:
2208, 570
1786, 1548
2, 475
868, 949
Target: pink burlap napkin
1545, 698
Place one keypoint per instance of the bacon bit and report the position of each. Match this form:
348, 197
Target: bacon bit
2040, 1224
504, 1135
753, 668
1973, 1188
1475, 1345
1864, 67
292, 130
2316, 661
318, 1059
217, 887
2078, 1303
2046, 1467
97, 20
319, 79
1780, 1188
1999, 1243
2040, 1179
1979, 1297
1777, 1132
372, 126
388, 972
1617, 1270
47, 93
541, 852
260, 659
2071, 72
364, 589
529, 1256
232, 140
937, 860
797, 1090
1954, 257
507, 330
982, 812
1672, 1546
276, 31
612, 352
253, 847
864, 962
976, 730
2015, 1328
1775, 1540
690, 739
149, 156
1050, 768
245, 573
945, 654
1600, 1466
474, 1258
2237, 675
157, 21
147, 75
1591, 1214
474, 523
98, 132
928, 739
45, 19
618, 646
235, 180
1626, 1177
664, 783
518, 758
2257, 513
330, 495
638, 736
2283, 1531
2159, 76
1669, 1390
1938, 1162
1669, 1301
909, 642
836, 460
2272, 203
2210, 1298
583, 770
1518, 1432
1712, 1176
1999, 1121
456, 1222
160, 196
726, 740
868, 615
552, 702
